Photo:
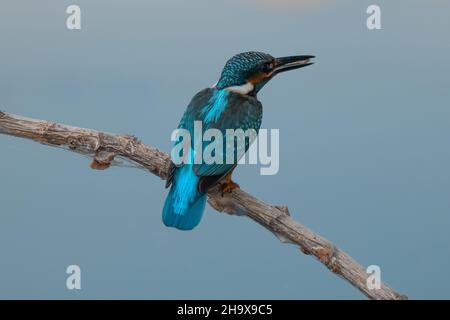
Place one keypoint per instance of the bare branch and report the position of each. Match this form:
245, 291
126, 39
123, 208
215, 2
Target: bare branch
106, 148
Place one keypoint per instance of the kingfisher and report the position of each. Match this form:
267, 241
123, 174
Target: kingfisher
231, 103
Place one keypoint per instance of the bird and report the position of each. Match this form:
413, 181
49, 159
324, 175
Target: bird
231, 103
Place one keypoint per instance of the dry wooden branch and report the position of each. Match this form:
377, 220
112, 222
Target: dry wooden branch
106, 149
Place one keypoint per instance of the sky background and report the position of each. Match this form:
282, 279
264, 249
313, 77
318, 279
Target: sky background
364, 151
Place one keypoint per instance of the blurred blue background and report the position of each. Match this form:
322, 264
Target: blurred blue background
364, 155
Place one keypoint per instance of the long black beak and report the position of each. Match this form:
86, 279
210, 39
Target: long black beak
290, 63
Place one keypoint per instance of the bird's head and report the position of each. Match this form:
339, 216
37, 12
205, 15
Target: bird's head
248, 72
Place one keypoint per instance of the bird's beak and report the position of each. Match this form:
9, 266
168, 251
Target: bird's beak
290, 63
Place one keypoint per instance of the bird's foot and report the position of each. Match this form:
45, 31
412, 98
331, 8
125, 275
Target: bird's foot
228, 187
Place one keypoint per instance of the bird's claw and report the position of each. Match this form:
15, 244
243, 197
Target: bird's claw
228, 187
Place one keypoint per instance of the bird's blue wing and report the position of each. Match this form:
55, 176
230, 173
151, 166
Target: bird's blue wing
235, 111
192, 113
220, 109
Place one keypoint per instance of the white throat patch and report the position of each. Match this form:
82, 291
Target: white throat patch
242, 89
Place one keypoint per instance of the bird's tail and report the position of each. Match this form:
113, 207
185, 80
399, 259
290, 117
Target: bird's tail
184, 205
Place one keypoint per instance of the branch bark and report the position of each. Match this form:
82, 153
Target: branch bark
110, 149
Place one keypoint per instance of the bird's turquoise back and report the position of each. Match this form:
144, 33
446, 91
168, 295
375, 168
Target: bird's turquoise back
217, 109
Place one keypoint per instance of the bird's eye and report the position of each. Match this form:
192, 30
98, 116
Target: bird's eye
268, 66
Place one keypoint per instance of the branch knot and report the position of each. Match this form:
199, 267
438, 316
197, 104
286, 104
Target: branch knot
327, 255
102, 160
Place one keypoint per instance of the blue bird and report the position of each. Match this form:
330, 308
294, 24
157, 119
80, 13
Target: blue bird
231, 104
